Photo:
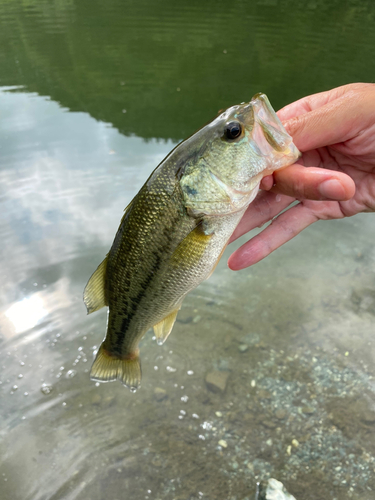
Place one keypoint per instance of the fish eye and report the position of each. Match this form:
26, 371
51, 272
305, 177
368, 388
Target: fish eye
232, 130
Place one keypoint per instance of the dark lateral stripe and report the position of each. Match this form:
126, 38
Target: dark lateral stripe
120, 336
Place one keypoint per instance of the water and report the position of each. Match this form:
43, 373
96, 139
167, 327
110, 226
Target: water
92, 97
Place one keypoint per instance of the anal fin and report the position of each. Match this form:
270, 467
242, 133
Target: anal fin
164, 327
94, 293
107, 368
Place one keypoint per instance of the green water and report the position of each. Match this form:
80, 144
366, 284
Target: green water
92, 96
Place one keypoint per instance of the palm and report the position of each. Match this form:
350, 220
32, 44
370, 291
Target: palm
359, 169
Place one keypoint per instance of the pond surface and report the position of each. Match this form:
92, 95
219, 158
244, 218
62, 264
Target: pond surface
93, 95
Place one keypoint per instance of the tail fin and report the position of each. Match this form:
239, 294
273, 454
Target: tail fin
107, 368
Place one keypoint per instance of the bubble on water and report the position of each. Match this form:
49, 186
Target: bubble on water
185, 399
194, 415
22, 363
97, 384
20, 375
46, 389
58, 375
23, 417
133, 389
15, 387
25, 393
80, 348
61, 368
63, 403
190, 372
70, 374
206, 426
183, 412
170, 369
156, 368
84, 360
160, 341
201, 437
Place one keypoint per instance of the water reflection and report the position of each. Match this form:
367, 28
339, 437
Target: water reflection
26, 313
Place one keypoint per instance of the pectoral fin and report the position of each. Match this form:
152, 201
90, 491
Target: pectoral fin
94, 293
191, 248
164, 327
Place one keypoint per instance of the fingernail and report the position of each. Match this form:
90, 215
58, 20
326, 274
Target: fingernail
332, 189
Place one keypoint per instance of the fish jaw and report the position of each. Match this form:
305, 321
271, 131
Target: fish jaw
270, 136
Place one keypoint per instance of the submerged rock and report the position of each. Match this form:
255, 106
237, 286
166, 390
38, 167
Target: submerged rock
216, 381
160, 394
273, 490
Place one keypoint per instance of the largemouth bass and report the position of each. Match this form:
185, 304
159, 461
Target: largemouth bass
176, 228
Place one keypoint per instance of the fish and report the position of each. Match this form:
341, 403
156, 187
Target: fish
175, 230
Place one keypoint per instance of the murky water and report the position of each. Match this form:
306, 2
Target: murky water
93, 95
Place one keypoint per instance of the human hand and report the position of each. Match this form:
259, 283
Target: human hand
335, 131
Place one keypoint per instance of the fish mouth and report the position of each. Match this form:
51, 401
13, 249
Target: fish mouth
269, 135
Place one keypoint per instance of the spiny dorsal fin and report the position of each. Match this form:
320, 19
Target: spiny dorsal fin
94, 293
164, 327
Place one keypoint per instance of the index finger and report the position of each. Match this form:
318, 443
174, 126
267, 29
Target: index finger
335, 122
315, 101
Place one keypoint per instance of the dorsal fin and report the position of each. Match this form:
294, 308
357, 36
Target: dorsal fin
94, 295
164, 327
